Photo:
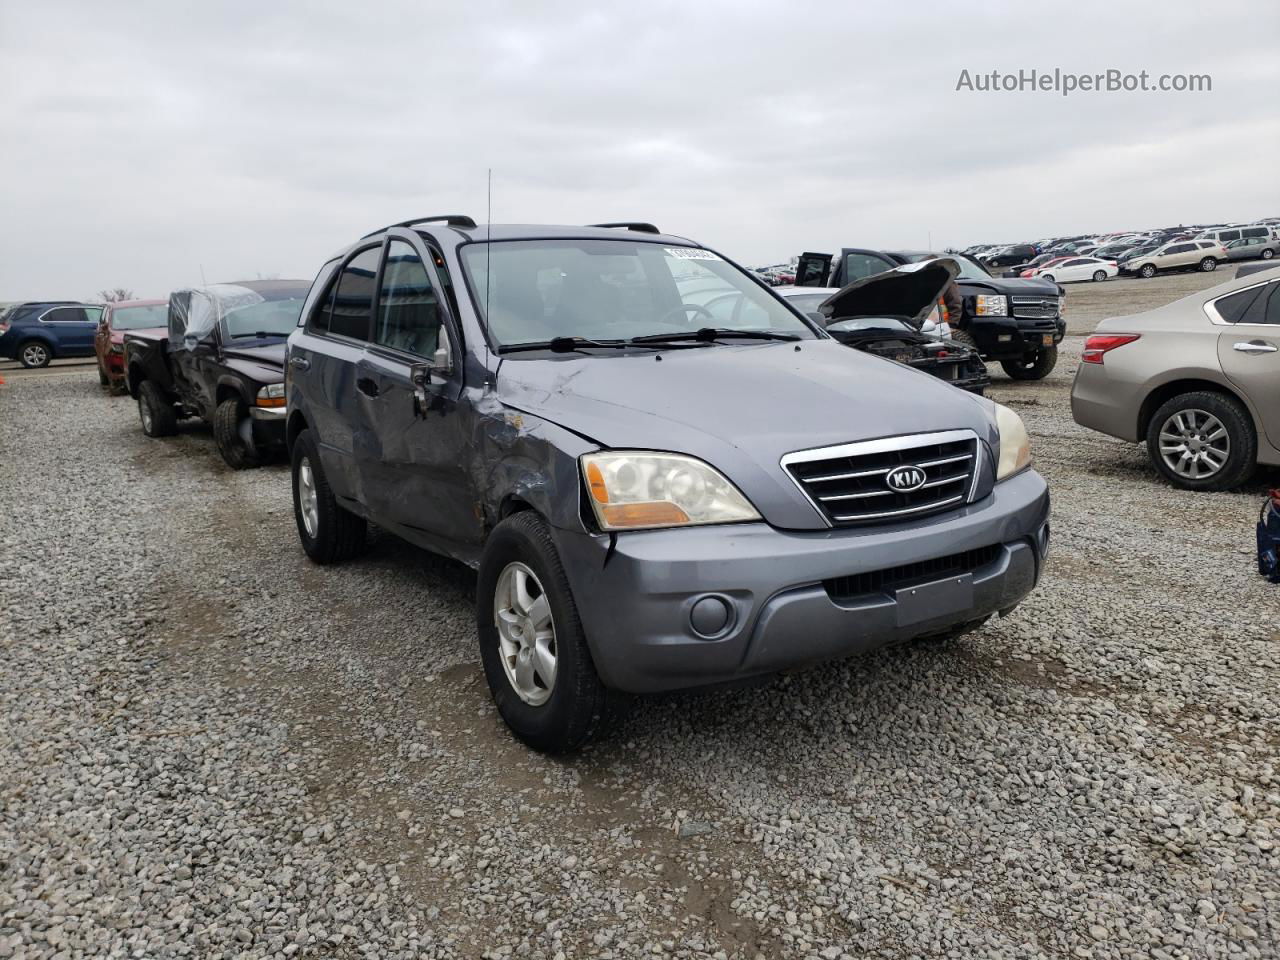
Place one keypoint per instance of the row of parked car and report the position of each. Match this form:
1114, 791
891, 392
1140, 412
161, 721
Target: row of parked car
1099, 258
666, 473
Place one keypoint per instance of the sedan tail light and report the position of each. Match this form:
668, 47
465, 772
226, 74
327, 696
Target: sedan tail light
1097, 346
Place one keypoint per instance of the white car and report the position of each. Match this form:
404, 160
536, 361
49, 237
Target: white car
1079, 268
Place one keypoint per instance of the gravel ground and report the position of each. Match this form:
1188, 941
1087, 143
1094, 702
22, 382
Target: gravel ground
211, 748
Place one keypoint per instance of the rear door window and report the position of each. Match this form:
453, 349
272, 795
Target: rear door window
67, 315
1259, 304
351, 312
408, 308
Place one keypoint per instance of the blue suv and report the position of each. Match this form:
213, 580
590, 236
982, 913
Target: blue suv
35, 333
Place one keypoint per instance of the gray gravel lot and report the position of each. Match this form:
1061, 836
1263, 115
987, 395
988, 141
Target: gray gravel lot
211, 748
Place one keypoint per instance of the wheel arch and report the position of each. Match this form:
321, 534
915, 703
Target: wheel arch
229, 388
1167, 391
296, 423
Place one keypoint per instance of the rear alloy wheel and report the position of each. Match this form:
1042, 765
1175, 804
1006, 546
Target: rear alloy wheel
33, 354
1047, 276
1036, 366
329, 532
156, 413
1203, 441
1099, 276
1208, 264
233, 432
1148, 271
1267, 254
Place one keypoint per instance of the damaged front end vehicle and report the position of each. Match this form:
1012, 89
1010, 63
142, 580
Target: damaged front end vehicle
665, 476
220, 358
891, 314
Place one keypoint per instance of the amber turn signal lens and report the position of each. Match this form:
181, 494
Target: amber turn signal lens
652, 514
595, 480
270, 401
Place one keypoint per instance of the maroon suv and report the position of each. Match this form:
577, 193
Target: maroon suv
108, 343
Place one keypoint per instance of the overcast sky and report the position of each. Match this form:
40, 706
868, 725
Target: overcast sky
141, 142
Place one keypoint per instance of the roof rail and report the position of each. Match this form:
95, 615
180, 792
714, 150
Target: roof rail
452, 219
637, 226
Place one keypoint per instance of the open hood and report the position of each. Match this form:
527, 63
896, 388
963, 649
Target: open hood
908, 293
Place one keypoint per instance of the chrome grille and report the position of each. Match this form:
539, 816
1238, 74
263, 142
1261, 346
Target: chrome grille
1035, 308
848, 483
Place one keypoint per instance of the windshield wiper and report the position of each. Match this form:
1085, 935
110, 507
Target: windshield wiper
712, 334
563, 345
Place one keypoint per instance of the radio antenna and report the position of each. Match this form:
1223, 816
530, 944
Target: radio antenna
203, 281
488, 244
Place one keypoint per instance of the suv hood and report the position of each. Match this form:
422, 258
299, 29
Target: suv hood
741, 408
908, 292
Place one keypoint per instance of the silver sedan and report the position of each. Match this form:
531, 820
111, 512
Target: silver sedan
1197, 380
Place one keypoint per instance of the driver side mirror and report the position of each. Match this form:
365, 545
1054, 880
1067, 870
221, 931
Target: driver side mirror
428, 378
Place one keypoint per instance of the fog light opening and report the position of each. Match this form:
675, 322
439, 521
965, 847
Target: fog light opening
710, 616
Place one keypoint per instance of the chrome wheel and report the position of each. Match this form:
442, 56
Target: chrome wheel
35, 355
1194, 444
308, 501
526, 633
144, 411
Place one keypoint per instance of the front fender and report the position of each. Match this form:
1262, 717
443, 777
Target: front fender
522, 459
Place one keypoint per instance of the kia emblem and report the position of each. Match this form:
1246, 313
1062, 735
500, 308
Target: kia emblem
906, 479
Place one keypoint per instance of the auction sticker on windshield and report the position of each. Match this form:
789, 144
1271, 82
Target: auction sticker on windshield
690, 253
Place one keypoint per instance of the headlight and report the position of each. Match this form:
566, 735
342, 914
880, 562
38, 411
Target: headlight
1015, 445
272, 395
636, 489
991, 305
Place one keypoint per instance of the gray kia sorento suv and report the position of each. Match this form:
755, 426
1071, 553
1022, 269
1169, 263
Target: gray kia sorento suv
665, 476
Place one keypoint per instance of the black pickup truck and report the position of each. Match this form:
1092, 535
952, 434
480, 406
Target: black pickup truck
222, 359
1015, 322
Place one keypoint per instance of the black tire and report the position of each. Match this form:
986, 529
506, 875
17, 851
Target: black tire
1208, 264
159, 419
1048, 276
34, 353
1035, 367
339, 534
579, 706
226, 431
1243, 456
103, 379
963, 336
1099, 276
1147, 271
1267, 254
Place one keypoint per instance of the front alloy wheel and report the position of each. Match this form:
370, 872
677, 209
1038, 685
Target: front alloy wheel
34, 355
526, 633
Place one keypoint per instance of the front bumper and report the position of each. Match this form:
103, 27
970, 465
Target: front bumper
1011, 338
268, 425
636, 600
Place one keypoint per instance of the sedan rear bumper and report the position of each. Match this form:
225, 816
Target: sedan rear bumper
667, 609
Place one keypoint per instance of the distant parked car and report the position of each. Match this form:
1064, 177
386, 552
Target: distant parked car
1075, 269
1180, 255
108, 342
1252, 248
1198, 380
1032, 269
35, 333
1012, 255
221, 358
1225, 235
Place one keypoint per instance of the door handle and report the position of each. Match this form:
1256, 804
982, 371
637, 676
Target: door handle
366, 386
1255, 346
300, 363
